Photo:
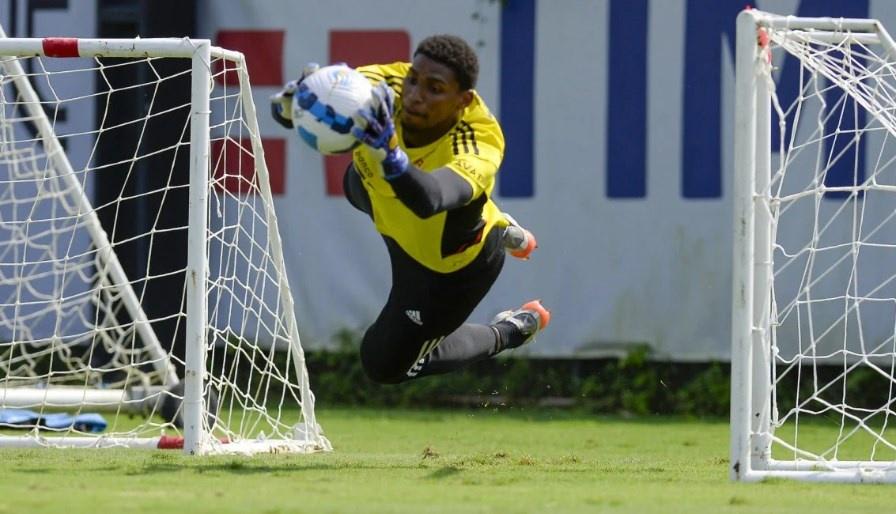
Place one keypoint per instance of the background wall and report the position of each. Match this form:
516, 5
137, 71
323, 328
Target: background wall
618, 118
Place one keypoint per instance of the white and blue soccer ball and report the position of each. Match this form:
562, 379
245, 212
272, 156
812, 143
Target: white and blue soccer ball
324, 109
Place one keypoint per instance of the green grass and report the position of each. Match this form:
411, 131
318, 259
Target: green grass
479, 461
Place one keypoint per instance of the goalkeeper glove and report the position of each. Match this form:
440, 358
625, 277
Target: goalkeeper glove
281, 103
380, 135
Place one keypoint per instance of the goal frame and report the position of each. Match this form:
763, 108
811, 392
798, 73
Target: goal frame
751, 409
195, 439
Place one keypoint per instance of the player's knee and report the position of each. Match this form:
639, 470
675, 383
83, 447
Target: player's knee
382, 373
380, 366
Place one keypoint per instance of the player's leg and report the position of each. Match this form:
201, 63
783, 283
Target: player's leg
471, 342
394, 341
421, 329
424, 316
457, 296
454, 297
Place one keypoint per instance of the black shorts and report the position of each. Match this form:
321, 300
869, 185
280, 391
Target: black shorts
425, 306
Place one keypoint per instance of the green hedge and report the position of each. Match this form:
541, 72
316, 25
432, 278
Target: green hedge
635, 384
631, 385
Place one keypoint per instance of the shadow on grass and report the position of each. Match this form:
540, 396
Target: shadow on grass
445, 472
235, 467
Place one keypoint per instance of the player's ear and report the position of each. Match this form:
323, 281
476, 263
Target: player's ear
466, 98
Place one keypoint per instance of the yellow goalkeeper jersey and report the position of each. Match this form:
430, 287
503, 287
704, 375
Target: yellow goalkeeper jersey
473, 149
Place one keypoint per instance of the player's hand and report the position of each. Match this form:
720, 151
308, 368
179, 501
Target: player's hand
281, 103
380, 135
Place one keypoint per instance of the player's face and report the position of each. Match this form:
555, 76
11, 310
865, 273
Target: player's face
432, 101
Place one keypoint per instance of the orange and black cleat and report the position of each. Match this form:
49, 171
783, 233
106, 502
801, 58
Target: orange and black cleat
519, 242
529, 319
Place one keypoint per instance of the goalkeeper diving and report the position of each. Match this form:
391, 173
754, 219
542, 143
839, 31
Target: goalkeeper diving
424, 175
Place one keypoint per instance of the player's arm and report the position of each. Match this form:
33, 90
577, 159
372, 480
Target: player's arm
426, 194
423, 193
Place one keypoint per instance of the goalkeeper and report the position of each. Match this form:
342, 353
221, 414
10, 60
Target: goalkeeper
424, 174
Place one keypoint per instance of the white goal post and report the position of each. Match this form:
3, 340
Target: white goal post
76, 341
813, 380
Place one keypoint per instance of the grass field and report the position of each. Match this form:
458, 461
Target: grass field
478, 461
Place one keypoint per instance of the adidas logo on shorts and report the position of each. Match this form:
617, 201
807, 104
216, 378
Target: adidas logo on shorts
414, 316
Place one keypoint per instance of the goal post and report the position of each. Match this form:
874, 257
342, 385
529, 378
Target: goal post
75, 338
813, 379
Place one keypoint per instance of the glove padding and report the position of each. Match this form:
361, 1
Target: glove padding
380, 135
281, 103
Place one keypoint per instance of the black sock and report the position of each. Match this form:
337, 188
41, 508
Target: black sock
509, 336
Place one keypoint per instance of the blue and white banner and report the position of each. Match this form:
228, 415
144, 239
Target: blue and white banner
618, 116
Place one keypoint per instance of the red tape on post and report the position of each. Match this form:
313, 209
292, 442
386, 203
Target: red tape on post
60, 46
170, 442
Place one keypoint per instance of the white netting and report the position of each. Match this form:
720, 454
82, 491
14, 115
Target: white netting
79, 335
832, 202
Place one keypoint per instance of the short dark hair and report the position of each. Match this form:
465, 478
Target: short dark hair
455, 53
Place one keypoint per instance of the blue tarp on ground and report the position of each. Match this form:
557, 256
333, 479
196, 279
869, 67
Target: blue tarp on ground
23, 418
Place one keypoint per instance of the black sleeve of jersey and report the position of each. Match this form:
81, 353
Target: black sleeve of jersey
427, 194
354, 190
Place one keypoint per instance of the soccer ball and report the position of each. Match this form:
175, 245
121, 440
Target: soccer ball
325, 107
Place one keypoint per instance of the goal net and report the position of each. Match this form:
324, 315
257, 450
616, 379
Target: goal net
814, 318
198, 348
